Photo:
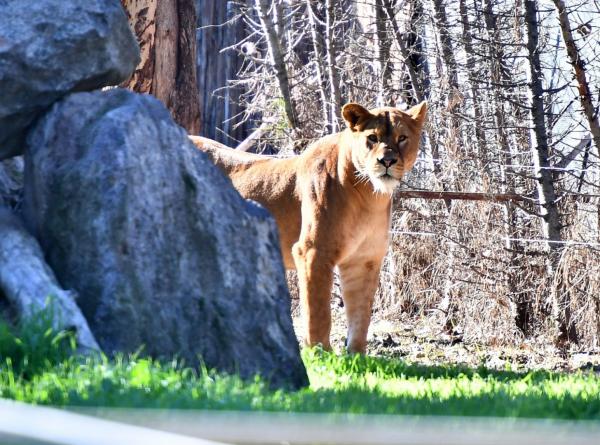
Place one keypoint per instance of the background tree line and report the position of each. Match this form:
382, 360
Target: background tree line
513, 89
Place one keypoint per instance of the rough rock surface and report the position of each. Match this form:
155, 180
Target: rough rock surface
11, 182
49, 48
162, 250
30, 285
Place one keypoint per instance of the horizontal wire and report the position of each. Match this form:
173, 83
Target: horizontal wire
505, 239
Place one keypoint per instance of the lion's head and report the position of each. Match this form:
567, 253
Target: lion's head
385, 142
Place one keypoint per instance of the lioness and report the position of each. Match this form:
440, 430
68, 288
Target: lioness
332, 205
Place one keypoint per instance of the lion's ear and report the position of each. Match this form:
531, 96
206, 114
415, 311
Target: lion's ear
418, 113
354, 115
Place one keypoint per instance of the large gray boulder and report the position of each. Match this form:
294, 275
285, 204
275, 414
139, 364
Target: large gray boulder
161, 249
49, 48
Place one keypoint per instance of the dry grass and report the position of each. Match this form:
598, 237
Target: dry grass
457, 270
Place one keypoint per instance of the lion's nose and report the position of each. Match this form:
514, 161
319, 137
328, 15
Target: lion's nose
387, 162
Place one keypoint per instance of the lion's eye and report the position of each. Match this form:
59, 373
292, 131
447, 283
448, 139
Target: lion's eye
372, 138
401, 138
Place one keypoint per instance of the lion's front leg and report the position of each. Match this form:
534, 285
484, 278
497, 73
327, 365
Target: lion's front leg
359, 280
315, 280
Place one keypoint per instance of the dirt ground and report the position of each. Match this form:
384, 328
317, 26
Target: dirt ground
419, 342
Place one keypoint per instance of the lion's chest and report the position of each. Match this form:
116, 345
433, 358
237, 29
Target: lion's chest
365, 235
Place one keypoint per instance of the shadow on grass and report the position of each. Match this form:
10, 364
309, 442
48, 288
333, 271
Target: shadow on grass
396, 368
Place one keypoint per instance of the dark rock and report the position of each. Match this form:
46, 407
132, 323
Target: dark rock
8, 313
162, 250
49, 48
11, 182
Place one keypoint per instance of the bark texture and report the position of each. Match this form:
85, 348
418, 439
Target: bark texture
166, 32
220, 107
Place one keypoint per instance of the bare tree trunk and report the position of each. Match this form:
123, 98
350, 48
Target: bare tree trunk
584, 166
404, 51
467, 40
452, 138
443, 27
277, 60
520, 299
219, 103
166, 32
419, 79
384, 45
279, 23
334, 80
539, 137
185, 93
318, 51
414, 43
545, 182
579, 67
496, 56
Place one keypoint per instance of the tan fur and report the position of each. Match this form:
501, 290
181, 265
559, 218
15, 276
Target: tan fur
332, 208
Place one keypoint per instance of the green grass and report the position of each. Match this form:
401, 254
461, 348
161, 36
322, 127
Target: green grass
44, 374
33, 346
